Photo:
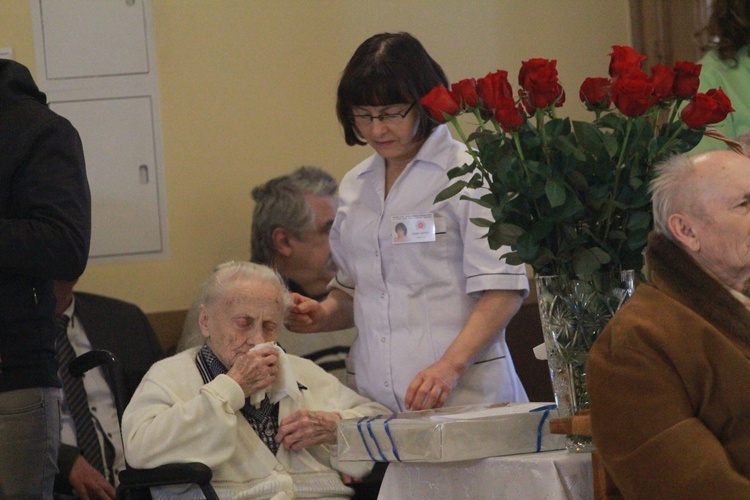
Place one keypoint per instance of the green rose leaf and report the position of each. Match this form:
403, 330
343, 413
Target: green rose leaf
450, 191
639, 220
589, 260
527, 248
478, 221
503, 234
462, 170
539, 168
512, 258
555, 192
589, 137
569, 149
612, 145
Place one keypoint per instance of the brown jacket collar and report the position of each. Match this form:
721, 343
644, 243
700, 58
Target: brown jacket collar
677, 274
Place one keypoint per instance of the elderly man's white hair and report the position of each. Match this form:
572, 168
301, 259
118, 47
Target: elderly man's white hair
229, 273
672, 191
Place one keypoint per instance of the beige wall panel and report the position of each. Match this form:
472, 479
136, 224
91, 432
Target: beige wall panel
247, 92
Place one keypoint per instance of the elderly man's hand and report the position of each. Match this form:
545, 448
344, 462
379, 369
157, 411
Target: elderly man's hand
305, 428
88, 482
256, 369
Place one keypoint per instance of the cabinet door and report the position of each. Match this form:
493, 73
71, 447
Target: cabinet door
89, 38
118, 142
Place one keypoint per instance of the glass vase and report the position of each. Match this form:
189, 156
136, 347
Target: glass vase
574, 310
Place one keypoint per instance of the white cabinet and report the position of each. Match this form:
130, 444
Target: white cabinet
124, 205
95, 63
90, 38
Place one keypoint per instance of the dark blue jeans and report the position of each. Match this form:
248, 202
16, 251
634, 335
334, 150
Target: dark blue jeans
30, 430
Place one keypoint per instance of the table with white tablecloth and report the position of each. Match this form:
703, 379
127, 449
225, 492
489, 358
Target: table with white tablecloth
547, 475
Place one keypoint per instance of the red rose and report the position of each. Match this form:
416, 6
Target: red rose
723, 104
541, 87
631, 92
686, 79
662, 78
492, 88
622, 56
509, 115
438, 102
704, 109
595, 93
464, 93
699, 111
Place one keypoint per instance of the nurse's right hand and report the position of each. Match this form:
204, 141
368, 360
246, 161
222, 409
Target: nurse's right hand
305, 315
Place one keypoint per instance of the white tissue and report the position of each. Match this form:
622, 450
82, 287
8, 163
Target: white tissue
286, 382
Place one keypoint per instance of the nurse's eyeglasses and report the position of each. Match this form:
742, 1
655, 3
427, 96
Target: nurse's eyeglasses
388, 118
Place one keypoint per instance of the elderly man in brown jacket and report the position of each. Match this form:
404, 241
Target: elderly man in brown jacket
669, 376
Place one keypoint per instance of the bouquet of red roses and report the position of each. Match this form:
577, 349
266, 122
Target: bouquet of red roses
571, 197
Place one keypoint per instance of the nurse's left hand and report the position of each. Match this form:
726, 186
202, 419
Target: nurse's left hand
432, 386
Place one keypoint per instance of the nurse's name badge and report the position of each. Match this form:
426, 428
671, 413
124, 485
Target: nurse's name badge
419, 228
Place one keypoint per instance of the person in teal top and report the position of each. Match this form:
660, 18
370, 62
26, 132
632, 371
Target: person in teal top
727, 65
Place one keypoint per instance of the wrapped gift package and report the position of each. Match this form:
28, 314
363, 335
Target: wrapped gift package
450, 434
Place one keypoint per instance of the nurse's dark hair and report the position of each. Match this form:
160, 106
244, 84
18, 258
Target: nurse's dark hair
388, 68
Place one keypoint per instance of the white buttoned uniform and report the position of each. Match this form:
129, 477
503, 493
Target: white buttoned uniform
412, 299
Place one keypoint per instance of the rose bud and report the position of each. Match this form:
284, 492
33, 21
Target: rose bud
439, 102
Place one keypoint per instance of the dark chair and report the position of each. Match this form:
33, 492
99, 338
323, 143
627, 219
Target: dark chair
136, 483
523, 333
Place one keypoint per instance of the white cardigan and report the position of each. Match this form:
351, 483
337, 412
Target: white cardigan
174, 417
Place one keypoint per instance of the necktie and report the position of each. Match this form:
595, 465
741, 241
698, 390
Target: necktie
264, 421
75, 395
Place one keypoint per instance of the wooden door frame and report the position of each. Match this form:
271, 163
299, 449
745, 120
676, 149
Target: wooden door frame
668, 30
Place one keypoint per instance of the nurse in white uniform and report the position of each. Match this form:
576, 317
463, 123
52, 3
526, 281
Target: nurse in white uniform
430, 307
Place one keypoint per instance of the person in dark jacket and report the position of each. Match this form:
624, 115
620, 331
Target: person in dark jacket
45, 229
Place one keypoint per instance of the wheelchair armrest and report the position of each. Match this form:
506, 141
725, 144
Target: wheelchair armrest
89, 360
169, 474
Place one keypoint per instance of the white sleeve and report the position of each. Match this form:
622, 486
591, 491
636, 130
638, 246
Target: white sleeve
483, 267
159, 427
344, 279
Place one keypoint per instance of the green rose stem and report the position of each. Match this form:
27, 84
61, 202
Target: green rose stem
539, 115
672, 138
461, 134
471, 150
480, 120
517, 142
675, 108
497, 126
618, 169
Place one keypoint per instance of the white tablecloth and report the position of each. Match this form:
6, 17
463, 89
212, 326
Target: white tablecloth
548, 475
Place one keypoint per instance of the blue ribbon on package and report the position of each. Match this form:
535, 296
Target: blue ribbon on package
372, 435
368, 421
546, 409
390, 438
364, 440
